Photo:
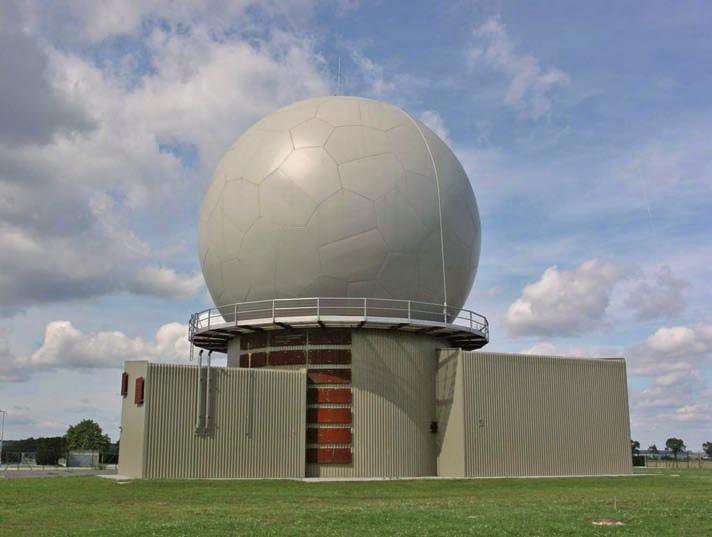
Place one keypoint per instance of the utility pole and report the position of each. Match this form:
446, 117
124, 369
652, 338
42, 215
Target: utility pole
2, 432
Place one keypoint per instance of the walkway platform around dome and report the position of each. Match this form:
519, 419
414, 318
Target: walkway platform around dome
211, 329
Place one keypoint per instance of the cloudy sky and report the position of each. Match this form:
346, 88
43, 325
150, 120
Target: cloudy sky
585, 130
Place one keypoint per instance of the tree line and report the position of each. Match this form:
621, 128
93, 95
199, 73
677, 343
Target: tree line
85, 435
674, 446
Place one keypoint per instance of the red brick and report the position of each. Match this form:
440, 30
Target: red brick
287, 357
342, 435
329, 395
328, 415
253, 341
329, 376
329, 356
255, 359
330, 337
288, 339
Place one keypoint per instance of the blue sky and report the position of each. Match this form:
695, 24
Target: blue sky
584, 129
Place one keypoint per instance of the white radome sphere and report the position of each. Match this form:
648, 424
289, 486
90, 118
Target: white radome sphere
334, 197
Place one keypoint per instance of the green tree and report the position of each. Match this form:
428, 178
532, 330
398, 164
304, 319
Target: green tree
87, 434
676, 445
50, 450
635, 447
653, 449
707, 448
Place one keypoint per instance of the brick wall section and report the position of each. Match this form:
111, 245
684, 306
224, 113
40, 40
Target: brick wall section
329, 412
329, 415
332, 435
329, 376
287, 358
330, 356
329, 395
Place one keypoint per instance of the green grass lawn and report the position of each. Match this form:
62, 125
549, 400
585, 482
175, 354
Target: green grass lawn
675, 503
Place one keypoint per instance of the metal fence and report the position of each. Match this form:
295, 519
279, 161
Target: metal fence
284, 310
682, 462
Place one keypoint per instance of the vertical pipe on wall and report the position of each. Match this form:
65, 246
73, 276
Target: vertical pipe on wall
207, 397
199, 394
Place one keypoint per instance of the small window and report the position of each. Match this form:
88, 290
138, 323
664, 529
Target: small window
138, 394
124, 384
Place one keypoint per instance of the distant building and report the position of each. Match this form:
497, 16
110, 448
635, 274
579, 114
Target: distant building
83, 458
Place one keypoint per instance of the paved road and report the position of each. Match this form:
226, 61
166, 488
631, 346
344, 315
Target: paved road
51, 472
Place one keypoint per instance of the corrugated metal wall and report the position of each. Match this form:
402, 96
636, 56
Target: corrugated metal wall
544, 415
257, 428
450, 439
393, 405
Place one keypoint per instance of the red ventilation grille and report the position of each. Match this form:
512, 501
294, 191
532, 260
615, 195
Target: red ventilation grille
124, 384
138, 393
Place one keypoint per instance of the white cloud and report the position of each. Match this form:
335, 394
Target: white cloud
97, 21
437, 124
72, 199
674, 360
165, 282
565, 302
530, 85
673, 349
376, 82
67, 347
661, 298
546, 348
678, 162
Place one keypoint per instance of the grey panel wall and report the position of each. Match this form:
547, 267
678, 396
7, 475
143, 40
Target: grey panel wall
450, 414
544, 415
257, 426
133, 424
393, 405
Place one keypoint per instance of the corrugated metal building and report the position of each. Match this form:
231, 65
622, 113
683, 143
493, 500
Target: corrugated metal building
523, 415
255, 423
373, 403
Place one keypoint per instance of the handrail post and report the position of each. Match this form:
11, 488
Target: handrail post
235, 313
318, 309
209, 315
409, 311
470, 319
364, 307
273, 301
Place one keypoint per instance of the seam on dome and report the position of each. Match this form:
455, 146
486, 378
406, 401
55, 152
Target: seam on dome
440, 211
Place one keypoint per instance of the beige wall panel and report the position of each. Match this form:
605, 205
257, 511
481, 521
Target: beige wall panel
450, 439
257, 424
542, 415
393, 386
133, 422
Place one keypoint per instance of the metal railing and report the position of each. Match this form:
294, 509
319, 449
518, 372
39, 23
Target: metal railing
284, 310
